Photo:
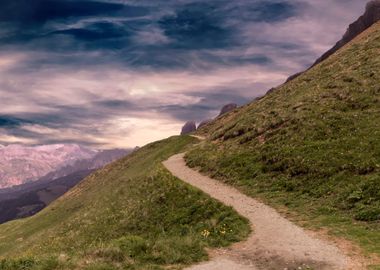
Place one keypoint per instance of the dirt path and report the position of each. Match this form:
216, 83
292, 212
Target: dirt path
275, 243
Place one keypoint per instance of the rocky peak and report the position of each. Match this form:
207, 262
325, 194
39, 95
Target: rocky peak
227, 108
373, 11
370, 17
189, 127
204, 123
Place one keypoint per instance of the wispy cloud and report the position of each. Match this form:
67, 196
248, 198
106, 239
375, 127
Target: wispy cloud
123, 73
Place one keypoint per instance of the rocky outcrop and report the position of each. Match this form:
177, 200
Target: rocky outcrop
204, 123
188, 128
227, 108
291, 78
191, 126
370, 17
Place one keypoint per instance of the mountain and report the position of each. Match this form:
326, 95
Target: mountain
370, 17
188, 128
227, 108
30, 198
27, 201
312, 146
21, 164
97, 161
310, 149
132, 214
191, 126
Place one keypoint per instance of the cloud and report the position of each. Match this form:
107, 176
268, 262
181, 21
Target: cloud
43, 11
123, 73
94, 32
11, 122
197, 26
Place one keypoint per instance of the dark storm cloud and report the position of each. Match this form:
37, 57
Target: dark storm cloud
50, 25
270, 11
11, 122
208, 107
197, 26
70, 68
95, 32
28, 13
56, 26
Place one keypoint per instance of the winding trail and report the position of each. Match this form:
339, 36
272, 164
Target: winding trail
275, 243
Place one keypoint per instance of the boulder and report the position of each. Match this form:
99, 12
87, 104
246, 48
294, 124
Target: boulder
294, 76
204, 123
227, 108
189, 127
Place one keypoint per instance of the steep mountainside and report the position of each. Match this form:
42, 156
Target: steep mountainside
313, 145
21, 164
132, 214
370, 16
28, 201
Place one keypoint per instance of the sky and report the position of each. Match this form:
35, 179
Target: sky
123, 73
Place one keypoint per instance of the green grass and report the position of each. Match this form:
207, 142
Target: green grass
313, 145
133, 214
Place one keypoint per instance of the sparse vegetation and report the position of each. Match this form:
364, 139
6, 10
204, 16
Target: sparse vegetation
133, 214
313, 145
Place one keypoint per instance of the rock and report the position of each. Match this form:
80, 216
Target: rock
268, 92
189, 127
370, 17
63, 258
291, 78
227, 108
204, 123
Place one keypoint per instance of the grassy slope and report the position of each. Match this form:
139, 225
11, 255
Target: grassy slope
313, 145
131, 215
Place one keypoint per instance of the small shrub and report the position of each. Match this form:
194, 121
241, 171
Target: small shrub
369, 214
112, 254
21, 264
133, 245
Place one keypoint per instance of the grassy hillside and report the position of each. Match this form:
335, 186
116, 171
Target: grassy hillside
131, 215
312, 145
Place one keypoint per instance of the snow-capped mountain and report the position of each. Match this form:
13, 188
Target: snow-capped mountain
20, 164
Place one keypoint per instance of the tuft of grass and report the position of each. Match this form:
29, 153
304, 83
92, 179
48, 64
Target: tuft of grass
133, 214
313, 145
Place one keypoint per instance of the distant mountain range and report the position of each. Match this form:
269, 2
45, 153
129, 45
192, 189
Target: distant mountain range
22, 164
29, 198
97, 161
